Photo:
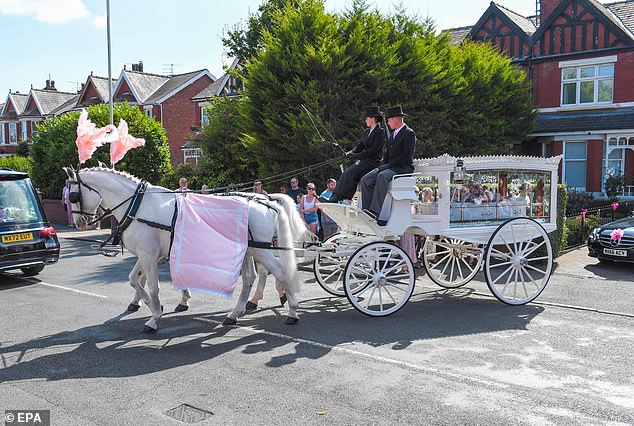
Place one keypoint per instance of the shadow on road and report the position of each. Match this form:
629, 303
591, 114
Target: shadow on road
106, 350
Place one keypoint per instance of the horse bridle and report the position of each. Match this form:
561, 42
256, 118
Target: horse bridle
75, 197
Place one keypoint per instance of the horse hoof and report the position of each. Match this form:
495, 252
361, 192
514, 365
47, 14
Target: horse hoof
133, 307
291, 321
147, 329
181, 308
229, 321
251, 306
283, 300
161, 308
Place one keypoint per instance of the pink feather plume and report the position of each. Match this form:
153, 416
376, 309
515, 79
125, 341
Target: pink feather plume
123, 143
89, 137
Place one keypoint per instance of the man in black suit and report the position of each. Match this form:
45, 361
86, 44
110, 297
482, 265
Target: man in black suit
367, 153
398, 158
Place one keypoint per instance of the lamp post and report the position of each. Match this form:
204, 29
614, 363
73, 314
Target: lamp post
109, 62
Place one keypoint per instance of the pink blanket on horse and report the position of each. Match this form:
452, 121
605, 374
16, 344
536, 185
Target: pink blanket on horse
210, 240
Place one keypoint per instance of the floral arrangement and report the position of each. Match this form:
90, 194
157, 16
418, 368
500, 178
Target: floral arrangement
617, 234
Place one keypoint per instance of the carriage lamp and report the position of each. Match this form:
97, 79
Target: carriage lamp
458, 171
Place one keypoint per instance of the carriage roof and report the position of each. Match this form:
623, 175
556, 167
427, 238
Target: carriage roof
499, 162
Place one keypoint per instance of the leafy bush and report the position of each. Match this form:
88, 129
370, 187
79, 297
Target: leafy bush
614, 185
19, 164
578, 234
54, 147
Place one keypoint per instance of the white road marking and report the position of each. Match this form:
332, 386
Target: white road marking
382, 359
74, 290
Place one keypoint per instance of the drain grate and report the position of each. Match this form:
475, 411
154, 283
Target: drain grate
188, 414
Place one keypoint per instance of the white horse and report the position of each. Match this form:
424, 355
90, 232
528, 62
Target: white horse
147, 235
300, 233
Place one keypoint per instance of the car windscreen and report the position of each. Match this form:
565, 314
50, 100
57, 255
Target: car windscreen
17, 202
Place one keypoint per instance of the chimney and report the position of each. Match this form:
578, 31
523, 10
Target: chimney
50, 85
135, 67
123, 67
140, 66
82, 88
546, 8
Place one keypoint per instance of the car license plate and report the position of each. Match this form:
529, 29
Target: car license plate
613, 252
15, 238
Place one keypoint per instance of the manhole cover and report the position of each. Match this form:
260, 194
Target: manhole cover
188, 414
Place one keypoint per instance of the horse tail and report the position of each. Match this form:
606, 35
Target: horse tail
300, 231
285, 240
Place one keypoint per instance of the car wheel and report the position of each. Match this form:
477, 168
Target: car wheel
32, 270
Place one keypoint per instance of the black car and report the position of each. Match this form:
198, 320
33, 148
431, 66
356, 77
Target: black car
27, 240
602, 245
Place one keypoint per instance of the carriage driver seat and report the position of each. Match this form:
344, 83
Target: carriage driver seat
397, 203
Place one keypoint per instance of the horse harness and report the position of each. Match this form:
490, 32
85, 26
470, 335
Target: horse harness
135, 202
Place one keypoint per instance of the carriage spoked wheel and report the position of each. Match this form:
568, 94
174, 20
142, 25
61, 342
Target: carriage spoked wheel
328, 268
379, 279
518, 261
449, 262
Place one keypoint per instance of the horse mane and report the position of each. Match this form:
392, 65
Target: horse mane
113, 171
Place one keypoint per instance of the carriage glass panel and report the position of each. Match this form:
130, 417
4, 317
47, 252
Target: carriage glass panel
428, 194
488, 197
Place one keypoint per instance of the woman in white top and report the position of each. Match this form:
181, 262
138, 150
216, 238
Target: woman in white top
308, 209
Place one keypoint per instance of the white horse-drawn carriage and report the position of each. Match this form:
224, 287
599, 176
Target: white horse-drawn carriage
490, 213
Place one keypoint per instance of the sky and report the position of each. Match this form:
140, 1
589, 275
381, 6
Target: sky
67, 39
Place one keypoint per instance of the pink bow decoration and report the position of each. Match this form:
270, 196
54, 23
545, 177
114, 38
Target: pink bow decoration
123, 143
89, 137
584, 212
617, 234
615, 206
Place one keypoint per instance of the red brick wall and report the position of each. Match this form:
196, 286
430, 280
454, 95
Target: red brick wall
593, 165
179, 114
547, 84
57, 215
623, 77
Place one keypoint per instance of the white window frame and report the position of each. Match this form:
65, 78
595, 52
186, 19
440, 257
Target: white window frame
148, 110
575, 160
13, 140
23, 130
2, 140
578, 65
204, 119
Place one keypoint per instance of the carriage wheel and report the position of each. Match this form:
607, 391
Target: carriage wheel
518, 261
449, 262
329, 269
379, 279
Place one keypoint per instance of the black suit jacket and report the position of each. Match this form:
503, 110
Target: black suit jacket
370, 146
399, 153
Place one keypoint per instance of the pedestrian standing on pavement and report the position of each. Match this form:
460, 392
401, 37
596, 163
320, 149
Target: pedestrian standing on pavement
68, 206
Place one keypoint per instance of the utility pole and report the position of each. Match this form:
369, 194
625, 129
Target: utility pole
109, 62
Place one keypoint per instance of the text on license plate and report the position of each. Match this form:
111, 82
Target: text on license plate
614, 252
14, 238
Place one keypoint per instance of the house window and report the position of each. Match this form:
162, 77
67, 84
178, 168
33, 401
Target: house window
204, 119
587, 84
24, 126
2, 133
33, 129
574, 170
148, 111
13, 133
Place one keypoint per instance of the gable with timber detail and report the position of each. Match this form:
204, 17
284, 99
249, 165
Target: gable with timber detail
579, 26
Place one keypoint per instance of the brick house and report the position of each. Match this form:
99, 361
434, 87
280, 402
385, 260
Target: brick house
224, 86
21, 112
166, 98
94, 91
579, 57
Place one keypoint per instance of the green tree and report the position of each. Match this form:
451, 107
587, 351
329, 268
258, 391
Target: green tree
54, 147
462, 100
226, 158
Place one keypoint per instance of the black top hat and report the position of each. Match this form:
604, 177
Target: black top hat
396, 111
373, 111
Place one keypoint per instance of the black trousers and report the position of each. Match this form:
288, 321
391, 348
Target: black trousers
347, 183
